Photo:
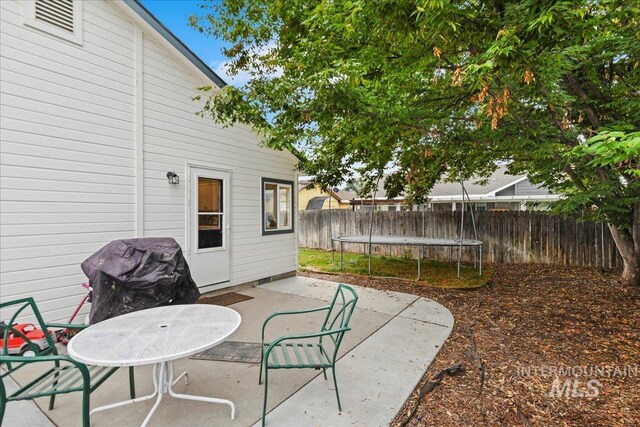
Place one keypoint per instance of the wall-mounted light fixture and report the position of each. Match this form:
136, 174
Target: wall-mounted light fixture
173, 178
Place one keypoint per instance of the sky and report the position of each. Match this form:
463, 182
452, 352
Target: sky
174, 14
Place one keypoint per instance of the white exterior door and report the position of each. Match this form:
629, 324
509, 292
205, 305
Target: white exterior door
209, 226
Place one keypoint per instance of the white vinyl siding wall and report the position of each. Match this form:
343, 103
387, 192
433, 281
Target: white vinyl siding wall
68, 157
67, 170
174, 136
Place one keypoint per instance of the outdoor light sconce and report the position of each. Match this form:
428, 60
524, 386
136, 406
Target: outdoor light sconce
173, 178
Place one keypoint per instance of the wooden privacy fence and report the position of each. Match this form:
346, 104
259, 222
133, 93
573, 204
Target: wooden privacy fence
515, 237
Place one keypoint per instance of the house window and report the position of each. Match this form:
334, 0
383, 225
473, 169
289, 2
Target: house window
277, 206
61, 18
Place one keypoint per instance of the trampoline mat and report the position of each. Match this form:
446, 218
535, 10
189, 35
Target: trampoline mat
411, 241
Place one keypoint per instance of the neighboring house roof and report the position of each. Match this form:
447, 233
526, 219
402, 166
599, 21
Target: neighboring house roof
498, 180
345, 196
144, 13
341, 195
316, 203
476, 188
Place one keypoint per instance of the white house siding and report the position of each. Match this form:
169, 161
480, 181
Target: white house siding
68, 157
174, 136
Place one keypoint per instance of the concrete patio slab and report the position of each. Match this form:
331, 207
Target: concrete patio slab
374, 379
381, 360
369, 299
429, 311
23, 412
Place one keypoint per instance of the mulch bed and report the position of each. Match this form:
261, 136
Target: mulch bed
224, 299
510, 335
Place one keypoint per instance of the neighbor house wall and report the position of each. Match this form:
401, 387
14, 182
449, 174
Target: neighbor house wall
526, 188
306, 194
509, 191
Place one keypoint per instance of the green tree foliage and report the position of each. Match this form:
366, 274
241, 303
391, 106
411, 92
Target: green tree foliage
431, 87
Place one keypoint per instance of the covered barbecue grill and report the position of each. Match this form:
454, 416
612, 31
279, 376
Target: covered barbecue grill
135, 274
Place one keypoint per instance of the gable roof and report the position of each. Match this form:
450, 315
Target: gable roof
148, 17
345, 195
342, 196
498, 180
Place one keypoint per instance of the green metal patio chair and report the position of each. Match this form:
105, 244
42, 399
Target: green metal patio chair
304, 350
64, 375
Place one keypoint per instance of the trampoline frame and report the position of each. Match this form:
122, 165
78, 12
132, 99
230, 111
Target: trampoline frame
420, 242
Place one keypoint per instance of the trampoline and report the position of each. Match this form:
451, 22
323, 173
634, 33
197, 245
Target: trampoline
420, 242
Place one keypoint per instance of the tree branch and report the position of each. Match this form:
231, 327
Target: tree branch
577, 90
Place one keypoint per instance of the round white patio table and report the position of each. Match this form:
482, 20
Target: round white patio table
156, 336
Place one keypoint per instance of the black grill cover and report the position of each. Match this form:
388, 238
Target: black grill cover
135, 274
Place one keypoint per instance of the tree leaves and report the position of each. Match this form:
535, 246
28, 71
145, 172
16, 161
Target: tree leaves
418, 88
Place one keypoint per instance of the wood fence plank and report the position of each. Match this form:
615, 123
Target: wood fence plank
520, 237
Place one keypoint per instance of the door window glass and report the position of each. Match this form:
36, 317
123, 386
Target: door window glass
210, 213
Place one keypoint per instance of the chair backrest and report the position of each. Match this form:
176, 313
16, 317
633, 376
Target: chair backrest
339, 313
23, 339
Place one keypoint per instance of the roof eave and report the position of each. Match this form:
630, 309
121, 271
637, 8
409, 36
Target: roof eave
171, 38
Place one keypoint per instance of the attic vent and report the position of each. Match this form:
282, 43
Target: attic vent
58, 13
61, 18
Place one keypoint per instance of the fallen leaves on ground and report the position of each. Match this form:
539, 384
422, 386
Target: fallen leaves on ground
530, 320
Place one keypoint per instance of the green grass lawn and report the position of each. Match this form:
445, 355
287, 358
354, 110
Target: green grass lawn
434, 273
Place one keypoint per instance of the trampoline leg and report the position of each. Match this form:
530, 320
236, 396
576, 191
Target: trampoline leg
480, 248
475, 258
340, 256
459, 258
419, 256
369, 259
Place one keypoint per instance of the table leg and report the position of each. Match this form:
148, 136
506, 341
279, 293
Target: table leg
198, 398
185, 374
137, 399
163, 383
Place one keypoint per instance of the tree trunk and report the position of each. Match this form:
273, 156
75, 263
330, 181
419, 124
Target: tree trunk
628, 245
630, 274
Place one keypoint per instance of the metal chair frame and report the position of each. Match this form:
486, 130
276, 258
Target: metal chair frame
305, 354
66, 376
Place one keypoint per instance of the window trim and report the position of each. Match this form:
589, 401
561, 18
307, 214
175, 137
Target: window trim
29, 16
290, 229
